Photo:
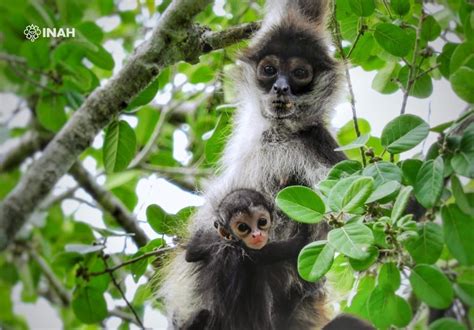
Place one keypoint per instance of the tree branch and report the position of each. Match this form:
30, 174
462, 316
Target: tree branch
110, 203
133, 260
61, 291
337, 34
26, 145
175, 38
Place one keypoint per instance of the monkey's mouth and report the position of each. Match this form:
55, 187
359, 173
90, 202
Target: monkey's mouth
282, 108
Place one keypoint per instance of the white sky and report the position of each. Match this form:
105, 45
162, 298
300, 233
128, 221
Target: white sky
371, 105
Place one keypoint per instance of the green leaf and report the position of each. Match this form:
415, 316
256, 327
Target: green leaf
403, 133
344, 169
358, 192
362, 8
359, 303
83, 248
389, 277
430, 28
215, 145
383, 172
119, 146
384, 192
315, 260
429, 182
100, 57
422, 87
384, 79
410, 168
50, 112
89, 305
392, 39
160, 221
444, 59
145, 96
401, 7
385, 308
464, 286
462, 82
202, 75
401, 203
91, 32
458, 233
460, 196
429, 245
67, 260
446, 323
357, 143
301, 204
347, 133
431, 286
352, 240
341, 276
460, 56
364, 264
138, 268
463, 159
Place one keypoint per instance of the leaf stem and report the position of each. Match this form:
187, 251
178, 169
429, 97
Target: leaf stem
412, 66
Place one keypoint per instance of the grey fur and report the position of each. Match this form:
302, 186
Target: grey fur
264, 154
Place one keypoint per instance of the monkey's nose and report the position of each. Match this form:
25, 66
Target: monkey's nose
281, 86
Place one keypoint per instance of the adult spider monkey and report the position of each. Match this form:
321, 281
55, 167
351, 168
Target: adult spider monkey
234, 264
287, 82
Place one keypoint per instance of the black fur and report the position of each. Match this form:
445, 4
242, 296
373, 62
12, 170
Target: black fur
237, 281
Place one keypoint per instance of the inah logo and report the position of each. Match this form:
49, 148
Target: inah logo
32, 32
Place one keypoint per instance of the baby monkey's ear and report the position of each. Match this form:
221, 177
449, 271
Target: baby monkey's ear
222, 231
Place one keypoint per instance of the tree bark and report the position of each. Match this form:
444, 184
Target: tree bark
175, 38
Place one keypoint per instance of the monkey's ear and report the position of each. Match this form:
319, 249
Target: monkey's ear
223, 232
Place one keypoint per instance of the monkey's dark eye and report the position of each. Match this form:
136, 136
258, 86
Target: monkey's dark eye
269, 70
300, 73
262, 222
243, 228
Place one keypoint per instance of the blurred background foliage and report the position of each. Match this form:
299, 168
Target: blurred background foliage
92, 265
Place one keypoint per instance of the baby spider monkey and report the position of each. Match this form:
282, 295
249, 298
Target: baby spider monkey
233, 274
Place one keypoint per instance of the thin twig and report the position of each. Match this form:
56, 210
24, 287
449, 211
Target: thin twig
427, 71
32, 81
337, 34
61, 291
412, 66
177, 170
360, 32
116, 284
133, 260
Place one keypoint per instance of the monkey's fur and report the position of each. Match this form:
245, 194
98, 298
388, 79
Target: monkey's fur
267, 153
233, 276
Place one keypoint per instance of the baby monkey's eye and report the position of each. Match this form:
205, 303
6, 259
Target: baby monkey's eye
262, 222
269, 70
243, 228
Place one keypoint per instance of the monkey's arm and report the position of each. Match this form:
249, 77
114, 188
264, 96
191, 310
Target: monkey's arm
282, 250
201, 246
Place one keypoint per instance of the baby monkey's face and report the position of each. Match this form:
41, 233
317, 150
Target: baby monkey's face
252, 227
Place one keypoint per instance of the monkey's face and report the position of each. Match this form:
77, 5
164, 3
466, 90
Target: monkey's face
252, 227
283, 80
